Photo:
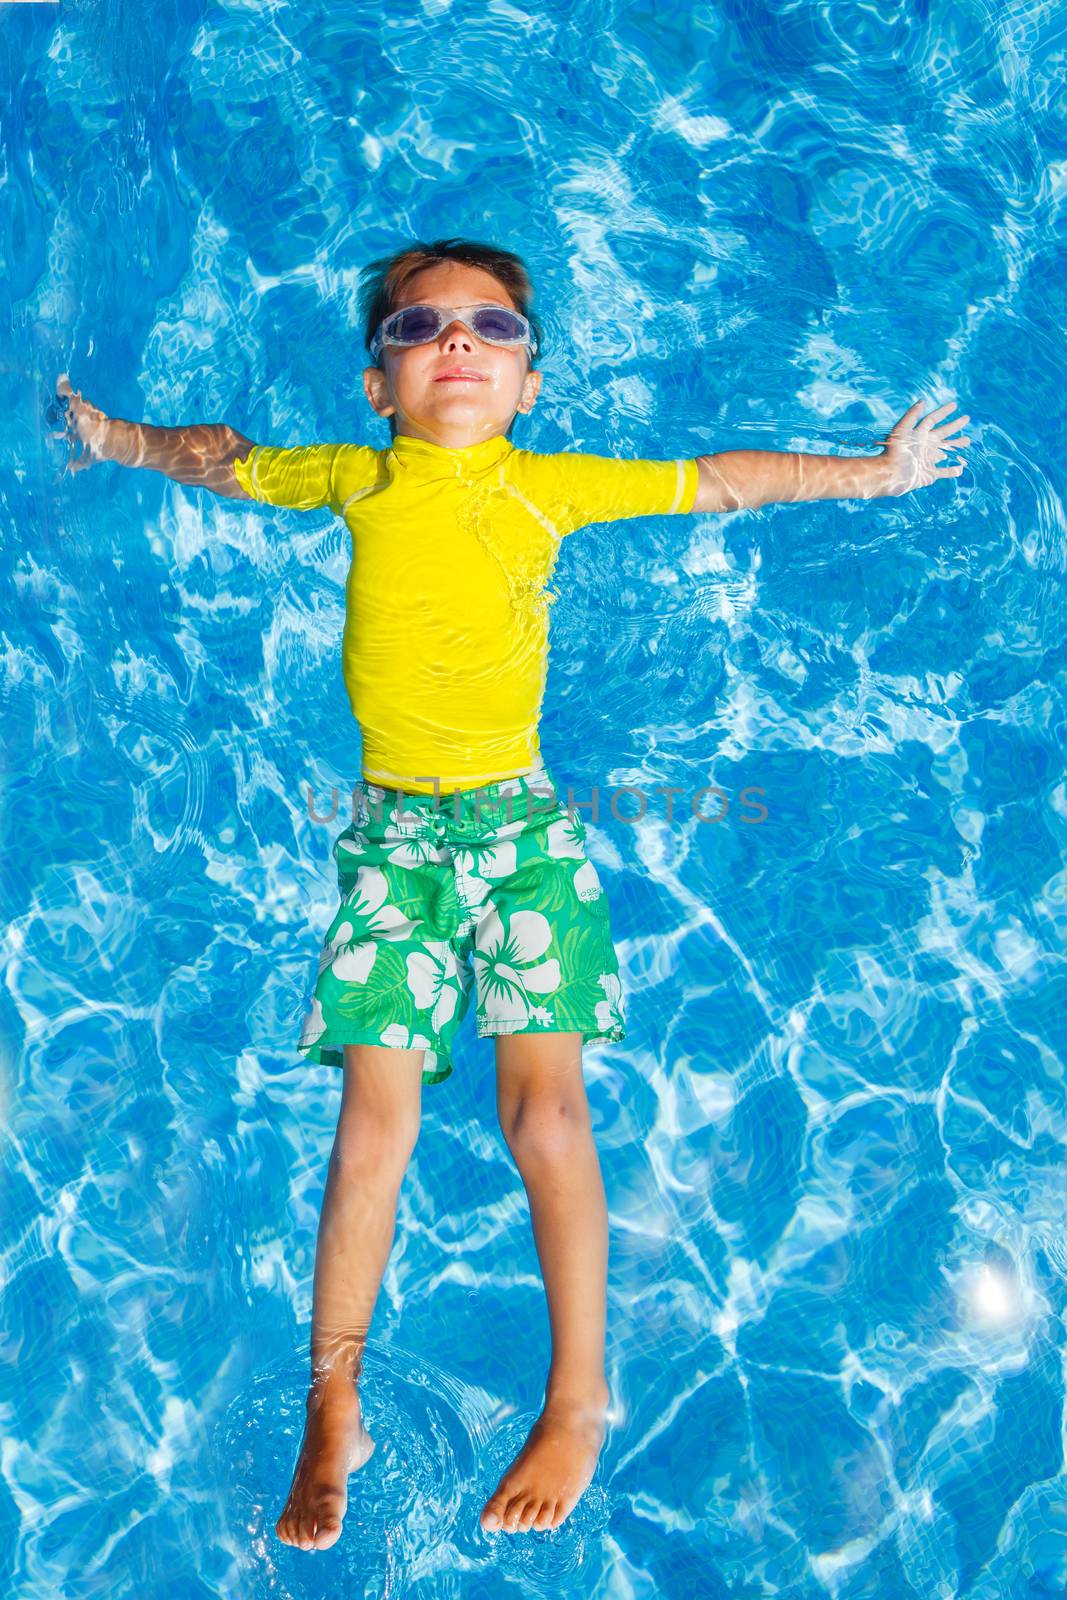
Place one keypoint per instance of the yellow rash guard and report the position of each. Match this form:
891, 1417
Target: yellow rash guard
445, 645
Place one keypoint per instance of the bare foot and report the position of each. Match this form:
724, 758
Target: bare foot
335, 1443
551, 1472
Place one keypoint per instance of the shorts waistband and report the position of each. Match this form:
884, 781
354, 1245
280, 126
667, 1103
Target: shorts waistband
487, 806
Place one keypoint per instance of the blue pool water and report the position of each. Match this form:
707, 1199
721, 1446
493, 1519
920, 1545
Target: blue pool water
833, 1140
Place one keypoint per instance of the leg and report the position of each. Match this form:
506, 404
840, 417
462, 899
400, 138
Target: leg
376, 1133
544, 1116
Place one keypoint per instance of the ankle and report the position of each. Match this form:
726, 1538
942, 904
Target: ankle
332, 1387
591, 1397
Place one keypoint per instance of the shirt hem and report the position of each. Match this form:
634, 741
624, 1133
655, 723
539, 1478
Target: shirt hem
458, 781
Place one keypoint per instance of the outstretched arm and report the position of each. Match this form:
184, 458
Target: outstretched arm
737, 480
201, 453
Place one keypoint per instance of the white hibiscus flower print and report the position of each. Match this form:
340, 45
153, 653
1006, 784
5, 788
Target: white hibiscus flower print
609, 1010
353, 842
478, 866
566, 842
586, 881
407, 850
433, 974
350, 949
350, 963
484, 861
314, 1026
511, 965
367, 907
397, 1037
565, 839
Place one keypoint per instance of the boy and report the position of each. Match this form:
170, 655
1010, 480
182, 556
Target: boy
455, 533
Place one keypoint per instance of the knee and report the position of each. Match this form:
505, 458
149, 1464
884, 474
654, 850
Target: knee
544, 1128
370, 1140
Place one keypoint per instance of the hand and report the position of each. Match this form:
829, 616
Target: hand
913, 448
83, 421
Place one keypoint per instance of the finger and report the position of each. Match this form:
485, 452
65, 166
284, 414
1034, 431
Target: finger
941, 411
947, 428
906, 423
62, 384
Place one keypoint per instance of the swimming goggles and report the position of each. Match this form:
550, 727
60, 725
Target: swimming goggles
419, 324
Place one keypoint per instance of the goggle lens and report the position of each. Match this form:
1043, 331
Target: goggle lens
497, 322
414, 326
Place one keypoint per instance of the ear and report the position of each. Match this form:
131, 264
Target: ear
531, 388
376, 388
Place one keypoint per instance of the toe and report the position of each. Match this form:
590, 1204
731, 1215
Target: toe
542, 1521
525, 1509
531, 1512
329, 1531
563, 1510
493, 1514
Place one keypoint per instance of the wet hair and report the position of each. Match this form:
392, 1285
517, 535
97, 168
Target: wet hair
383, 281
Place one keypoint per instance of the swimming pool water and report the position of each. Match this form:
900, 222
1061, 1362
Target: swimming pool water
833, 1140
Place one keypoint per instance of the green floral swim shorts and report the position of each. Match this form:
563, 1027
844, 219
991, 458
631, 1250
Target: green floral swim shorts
486, 889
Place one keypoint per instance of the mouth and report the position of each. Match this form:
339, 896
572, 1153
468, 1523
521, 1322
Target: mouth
460, 377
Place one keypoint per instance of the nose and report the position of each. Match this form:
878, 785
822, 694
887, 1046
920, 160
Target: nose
457, 330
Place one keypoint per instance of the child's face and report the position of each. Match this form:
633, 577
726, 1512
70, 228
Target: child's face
409, 384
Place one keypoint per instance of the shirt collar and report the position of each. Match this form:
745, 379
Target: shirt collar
426, 459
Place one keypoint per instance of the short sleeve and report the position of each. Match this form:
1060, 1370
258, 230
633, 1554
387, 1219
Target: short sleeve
308, 476
606, 488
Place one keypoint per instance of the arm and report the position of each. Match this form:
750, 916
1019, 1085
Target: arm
736, 480
201, 454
